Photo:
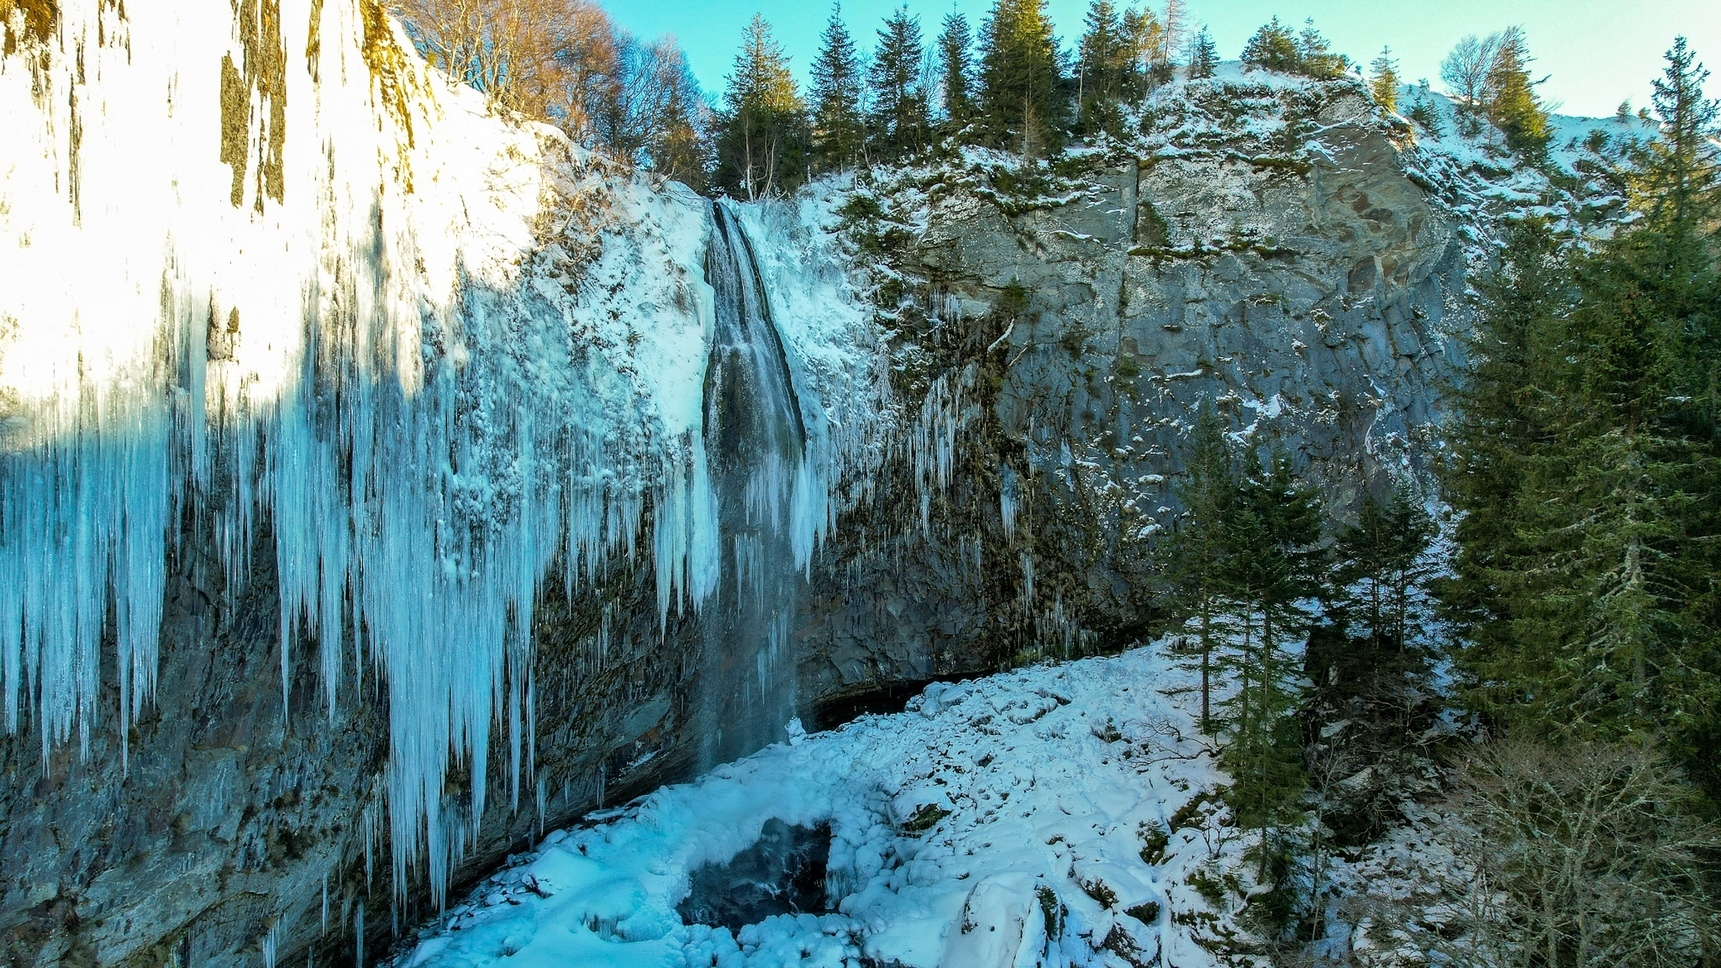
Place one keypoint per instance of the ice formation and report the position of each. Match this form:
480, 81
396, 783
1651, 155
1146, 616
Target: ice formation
265, 269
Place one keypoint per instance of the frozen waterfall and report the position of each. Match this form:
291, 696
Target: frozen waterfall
756, 442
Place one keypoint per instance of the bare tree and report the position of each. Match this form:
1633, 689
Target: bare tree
1585, 858
565, 62
550, 59
1466, 69
654, 107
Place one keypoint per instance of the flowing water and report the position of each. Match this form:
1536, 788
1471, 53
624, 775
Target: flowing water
757, 447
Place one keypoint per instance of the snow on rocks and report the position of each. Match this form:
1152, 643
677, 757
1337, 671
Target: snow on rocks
1017, 820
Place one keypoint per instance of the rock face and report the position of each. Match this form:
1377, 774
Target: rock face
1311, 297
1054, 335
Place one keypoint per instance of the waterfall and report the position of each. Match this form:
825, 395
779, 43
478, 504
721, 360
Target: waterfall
756, 444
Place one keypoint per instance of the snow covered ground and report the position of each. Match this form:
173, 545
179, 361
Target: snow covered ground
1054, 815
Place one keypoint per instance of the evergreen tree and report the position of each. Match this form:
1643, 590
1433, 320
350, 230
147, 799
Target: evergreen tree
954, 71
763, 122
1589, 469
1020, 83
1144, 37
1315, 57
1678, 180
1505, 412
1384, 82
1103, 68
1197, 555
1203, 56
900, 115
1379, 565
838, 133
1272, 48
1512, 103
1273, 564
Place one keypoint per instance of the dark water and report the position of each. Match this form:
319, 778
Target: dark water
784, 873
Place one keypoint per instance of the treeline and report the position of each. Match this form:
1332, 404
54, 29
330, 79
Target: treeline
1007, 82
1580, 614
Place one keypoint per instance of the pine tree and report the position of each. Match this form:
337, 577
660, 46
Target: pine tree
1020, 83
763, 117
1273, 564
1315, 57
838, 133
1197, 556
1203, 56
1143, 36
1678, 181
1512, 103
1384, 81
1103, 68
1505, 414
954, 71
900, 116
1272, 48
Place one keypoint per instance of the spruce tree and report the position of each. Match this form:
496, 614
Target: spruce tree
764, 118
1506, 409
954, 71
1588, 464
1144, 37
1512, 103
1103, 68
1274, 563
1020, 83
1384, 81
1678, 179
1198, 556
1379, 563
899, 115
838, 133
1203, 56
1272, 48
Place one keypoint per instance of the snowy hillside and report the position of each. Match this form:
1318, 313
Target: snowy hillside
1060, 815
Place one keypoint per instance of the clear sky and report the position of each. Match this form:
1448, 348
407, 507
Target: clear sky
1595, 53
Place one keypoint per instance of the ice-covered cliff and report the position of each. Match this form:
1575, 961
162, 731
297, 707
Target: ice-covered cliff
270, 282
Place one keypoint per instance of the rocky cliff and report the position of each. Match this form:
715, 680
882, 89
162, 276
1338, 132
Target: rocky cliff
355, 512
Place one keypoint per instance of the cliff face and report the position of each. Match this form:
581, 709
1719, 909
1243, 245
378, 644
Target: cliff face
1273, 247
355, 510
1083, 315
315, 380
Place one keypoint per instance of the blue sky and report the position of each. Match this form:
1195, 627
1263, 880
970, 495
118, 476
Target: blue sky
1595, 52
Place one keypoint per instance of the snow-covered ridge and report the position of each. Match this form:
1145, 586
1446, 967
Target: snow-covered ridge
261, 263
